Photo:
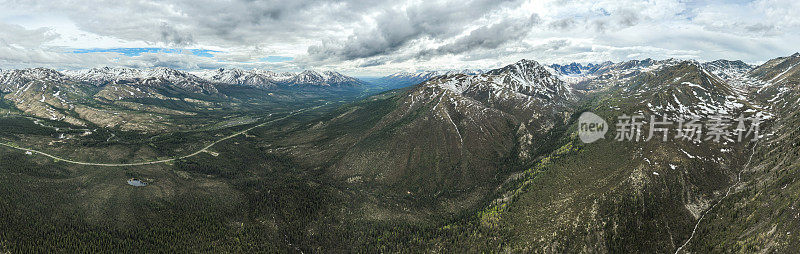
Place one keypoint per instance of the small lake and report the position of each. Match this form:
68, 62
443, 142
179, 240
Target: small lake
136, 182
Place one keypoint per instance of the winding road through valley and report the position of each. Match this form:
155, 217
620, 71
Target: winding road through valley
204, 149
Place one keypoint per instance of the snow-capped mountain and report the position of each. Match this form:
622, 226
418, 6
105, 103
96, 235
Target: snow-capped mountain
532, 79
14, 80
524, 80
43, 92
734, 72
155, 77
257, 78
607, 73
104, 75
325, 78
685, 89
202, 81
525, 90
269, 79
727, 69
463, 122
116, 97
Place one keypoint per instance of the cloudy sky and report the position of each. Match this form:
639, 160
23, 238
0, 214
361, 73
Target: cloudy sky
364, 37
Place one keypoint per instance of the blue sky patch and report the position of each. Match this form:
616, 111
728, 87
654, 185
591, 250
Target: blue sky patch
277, 59
139, 51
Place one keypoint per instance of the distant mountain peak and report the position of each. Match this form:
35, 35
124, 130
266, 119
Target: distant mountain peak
525, 63
526, 72
523, 79
522, 66
270, 79
24, 75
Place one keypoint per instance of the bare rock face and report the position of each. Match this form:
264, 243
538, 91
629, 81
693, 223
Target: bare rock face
43, 93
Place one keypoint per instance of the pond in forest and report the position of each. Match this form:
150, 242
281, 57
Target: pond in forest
136, 182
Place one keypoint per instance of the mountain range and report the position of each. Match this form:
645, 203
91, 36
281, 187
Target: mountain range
465, 161
119, 97
509, 135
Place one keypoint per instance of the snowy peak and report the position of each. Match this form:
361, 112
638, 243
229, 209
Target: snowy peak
12, 80
34, 73
524, 69
608, 73
527, 80
269, 79
682, 73
531, 78
731, 71
728, 64
105, 75
524, 93
309, 76
160, 77
264, 79
326, 78
203, 80
170, 74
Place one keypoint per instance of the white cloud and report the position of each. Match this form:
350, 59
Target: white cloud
366, 37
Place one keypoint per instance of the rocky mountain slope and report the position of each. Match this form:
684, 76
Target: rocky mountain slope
760, 214
629, 195
45, 93
446, 141
453, 137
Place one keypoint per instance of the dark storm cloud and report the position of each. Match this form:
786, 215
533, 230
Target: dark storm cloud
562, 24
618, 19
224, 23
373, 62
171, 36
561, 46
627, 18
395, 29
489, 37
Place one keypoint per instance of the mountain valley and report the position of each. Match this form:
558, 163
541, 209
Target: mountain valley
463, 161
